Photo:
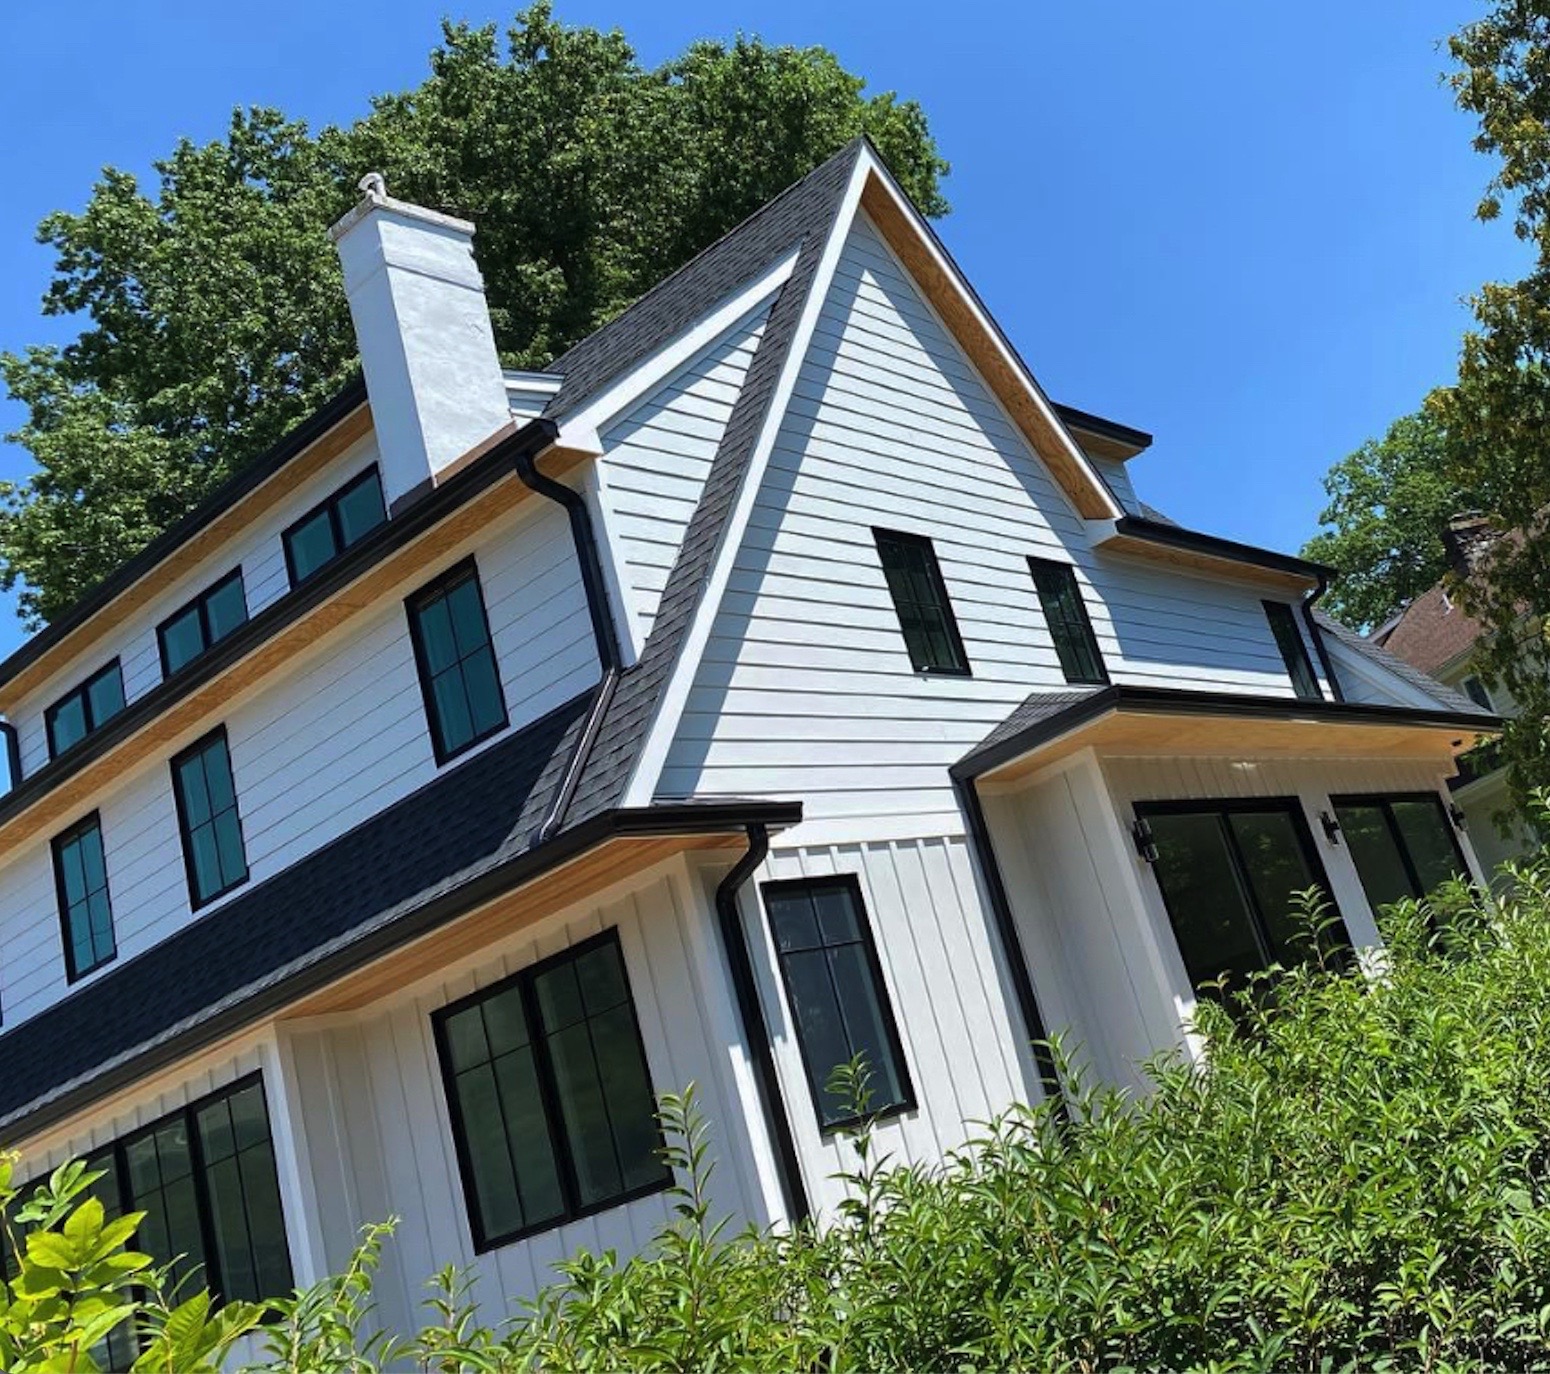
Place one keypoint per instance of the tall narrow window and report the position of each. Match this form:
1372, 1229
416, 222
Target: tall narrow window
84, 709
1402, 845
206, 797
204, 621
330, 527
1230, 873
85, 913
1478, 693
553, 1113
458, 676
1066, 615
205, 1178
1294, 652
834, 986
920, 598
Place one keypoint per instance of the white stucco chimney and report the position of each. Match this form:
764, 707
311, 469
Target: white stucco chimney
417, 300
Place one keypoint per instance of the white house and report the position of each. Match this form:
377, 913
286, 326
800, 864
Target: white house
779, 676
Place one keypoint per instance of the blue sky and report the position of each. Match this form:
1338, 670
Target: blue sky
1245, 228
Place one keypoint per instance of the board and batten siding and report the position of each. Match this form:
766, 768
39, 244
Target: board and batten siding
655, 460
374, 1112
1090, 913
949, 991
313, 754
261, 555
805, 687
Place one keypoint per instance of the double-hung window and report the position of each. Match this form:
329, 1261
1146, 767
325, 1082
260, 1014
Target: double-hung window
1230, 872
920, 599
1294, 651
204, 621
553, 1113
1403, 845
206, 796
84, 708
85, 913
1065, 613
330, 527
834, 986
458, 675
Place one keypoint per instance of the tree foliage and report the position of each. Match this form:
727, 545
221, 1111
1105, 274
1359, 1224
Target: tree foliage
213, 314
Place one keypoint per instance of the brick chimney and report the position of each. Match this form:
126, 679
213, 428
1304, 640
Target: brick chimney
1467, 538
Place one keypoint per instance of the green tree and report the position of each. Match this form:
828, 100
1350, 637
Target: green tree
212, 310
1389, 503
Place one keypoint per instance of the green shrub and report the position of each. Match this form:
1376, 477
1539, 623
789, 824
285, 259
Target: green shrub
1358, 1182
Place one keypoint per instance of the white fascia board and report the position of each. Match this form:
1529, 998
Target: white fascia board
583, 425
670, 707
982, 318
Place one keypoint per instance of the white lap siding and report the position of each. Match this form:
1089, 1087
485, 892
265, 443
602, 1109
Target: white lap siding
806, 687
314, 754
374, 1110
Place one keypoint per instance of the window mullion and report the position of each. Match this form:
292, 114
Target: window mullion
196, 1161
549, 1096
1402, 846
1240, 870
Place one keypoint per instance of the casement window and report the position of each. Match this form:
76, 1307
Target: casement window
1294, 650
458, 675
208, 819
552, 1109
1403, 844
84, 709
85, 912
1069, 625
834, 987
330, 527
204, 621
920, 599
1229, 873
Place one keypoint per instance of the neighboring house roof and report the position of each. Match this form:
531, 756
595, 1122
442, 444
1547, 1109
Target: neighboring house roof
1431, 632
1380, 655
457, 842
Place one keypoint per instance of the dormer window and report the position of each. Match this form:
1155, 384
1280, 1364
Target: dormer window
208, 618
84, 709
330, 527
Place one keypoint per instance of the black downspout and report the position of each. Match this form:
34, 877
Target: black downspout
608, 655
1012, 946
746, 991
1307, 604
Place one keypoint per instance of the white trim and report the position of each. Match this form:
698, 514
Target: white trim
625, 604
292, 1154
674, 696
583, 424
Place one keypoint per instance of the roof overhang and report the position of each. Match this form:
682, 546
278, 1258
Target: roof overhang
1159, 542
1168, 722
1101, 437
361, 967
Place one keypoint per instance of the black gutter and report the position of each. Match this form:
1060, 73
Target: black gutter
372, 548
1012, 947
248, 479
1175, 701
309, 974
1192, 541
771, 1099
1307, 604
604, 634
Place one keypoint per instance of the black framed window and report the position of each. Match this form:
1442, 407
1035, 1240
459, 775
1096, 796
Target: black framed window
207, 619
1403, 844
331, 526
834, 987
458, 675
552, 1109
920, 599
1478, 692
1294, 651
206, 797
84, 709
1229, 872
1069, 624
85, 911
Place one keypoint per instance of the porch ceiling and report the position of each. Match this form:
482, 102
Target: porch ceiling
1162, 722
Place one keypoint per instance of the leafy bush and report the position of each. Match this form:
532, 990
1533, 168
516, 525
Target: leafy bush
1359, 1181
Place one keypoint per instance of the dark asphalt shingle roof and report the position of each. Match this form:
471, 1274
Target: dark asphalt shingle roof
1037, 709
1439, 692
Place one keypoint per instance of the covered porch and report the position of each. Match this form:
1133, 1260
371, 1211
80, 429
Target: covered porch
1149, 841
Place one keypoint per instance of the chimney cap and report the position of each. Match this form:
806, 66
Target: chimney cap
374, 196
